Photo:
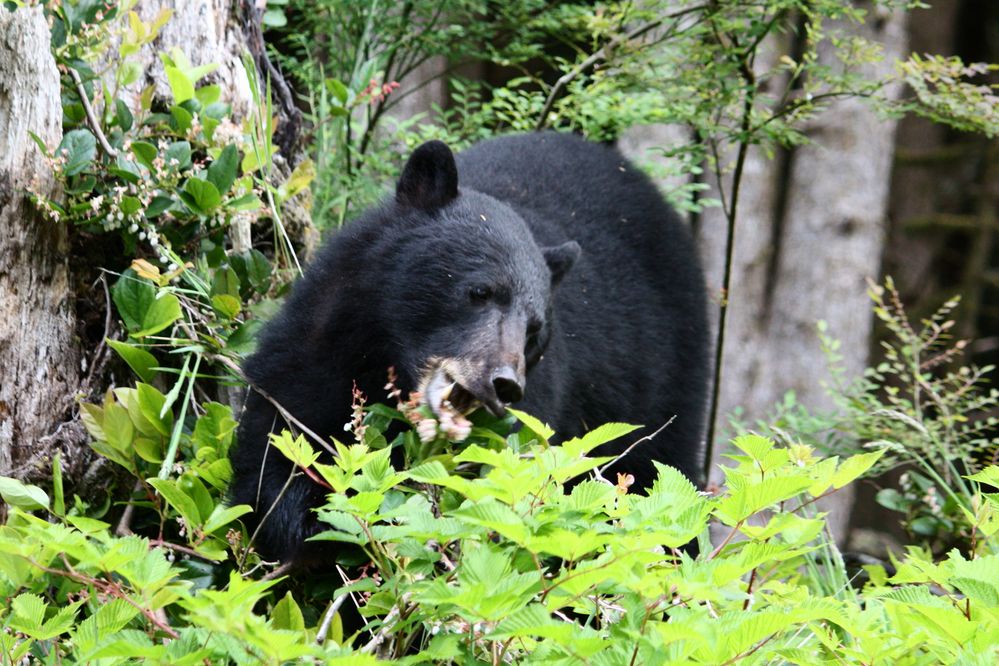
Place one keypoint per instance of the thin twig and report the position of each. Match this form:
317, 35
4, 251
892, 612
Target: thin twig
279, 571
603, 468
160, 543
324, 627
730, 215
388, 624
602, 54
124, 527
91, 116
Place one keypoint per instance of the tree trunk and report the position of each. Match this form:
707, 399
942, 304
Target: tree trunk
810, 230
39, 359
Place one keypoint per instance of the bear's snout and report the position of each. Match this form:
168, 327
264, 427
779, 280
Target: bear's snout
508, 385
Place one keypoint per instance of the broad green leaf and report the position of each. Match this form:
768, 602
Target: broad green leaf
226, 305
180, 85
600, 435
854, 466
201, 196
78, 147
223, 169
223, 515
22, 495
287, 615
178, 155
145, 153
182, 119
543, 431
141, 361
119, 431
151, 403
178, 499
144, 309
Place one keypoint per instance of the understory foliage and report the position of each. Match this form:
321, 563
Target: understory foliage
928, 412
502, 549
483, 554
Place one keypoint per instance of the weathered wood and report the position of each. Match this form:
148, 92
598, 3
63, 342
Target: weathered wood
39, 360
810, 231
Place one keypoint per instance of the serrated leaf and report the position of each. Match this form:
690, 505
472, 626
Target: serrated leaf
533, 424
28, 612
494, 516
851, 468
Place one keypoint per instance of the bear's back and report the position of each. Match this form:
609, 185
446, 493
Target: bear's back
631, 312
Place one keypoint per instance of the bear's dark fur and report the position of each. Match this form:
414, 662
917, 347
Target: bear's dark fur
539, 257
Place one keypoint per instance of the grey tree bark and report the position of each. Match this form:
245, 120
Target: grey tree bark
810, 231
39, 359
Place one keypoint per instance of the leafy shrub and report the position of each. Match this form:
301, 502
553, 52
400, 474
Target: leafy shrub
484, 554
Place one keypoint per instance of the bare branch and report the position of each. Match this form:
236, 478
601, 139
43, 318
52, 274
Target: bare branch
91, 116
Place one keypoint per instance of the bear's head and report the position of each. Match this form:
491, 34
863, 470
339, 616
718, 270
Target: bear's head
473, 314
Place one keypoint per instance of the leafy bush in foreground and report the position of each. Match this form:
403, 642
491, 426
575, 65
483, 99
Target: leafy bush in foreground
484, 556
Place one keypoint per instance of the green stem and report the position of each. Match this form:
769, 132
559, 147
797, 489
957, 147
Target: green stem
178, 426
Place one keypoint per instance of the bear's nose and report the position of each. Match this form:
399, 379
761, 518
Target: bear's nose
508, 386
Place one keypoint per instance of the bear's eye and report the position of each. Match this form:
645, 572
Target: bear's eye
480, 294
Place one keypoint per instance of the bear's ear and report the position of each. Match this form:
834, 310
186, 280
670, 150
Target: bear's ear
430, 178
560, 259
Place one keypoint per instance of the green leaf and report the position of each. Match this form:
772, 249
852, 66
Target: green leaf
854, 466
192, 486
151, 403
338, 90
600, 435
22, 495
28, 612
201, 196
144, 153
179, 151
543, 432
287, 615
208, 94
182, 119
274, 18
223, 169
141, 361
58, 500
123, 116
223, 515
296, 450
178, 499
79, 148
180, 85
118, 427
226, 305
144, 310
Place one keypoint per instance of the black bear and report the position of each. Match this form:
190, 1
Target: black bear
540, 270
